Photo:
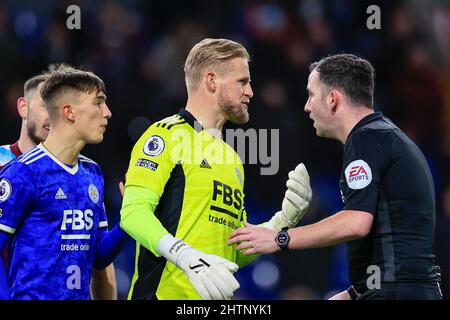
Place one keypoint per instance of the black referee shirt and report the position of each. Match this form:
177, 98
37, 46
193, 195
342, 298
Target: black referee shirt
385, 173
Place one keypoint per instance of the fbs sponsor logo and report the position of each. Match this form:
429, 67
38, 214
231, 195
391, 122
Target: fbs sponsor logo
60, 195
358, 174
148, 164
205, 164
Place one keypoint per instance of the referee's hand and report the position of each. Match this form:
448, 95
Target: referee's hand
344, 295
254, 239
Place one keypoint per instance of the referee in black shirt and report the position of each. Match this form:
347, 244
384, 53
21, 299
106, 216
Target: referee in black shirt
388, 218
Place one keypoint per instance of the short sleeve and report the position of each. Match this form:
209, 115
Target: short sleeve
18, 195
151, 160
364, 161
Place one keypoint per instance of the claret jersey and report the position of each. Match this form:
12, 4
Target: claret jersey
54, 213
8, 153
200, 182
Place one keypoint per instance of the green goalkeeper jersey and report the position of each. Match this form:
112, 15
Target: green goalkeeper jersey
199, 181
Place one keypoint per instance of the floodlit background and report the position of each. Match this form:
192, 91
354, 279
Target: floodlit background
138, 48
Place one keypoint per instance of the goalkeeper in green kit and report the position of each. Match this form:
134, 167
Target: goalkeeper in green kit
184, 190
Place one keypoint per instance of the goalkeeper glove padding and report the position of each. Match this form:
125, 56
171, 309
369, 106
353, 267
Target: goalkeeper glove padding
211, 275
296, 200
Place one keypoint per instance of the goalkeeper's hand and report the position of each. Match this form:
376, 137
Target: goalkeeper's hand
296, 200
211, 275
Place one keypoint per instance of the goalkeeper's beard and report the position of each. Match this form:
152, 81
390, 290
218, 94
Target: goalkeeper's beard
237, 114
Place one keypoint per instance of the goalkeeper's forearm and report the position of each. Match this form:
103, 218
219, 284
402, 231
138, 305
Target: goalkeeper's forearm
137, 217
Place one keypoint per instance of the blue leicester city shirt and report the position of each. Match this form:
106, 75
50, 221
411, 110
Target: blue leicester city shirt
54, 213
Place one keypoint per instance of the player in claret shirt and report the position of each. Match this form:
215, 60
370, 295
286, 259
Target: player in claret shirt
53, 210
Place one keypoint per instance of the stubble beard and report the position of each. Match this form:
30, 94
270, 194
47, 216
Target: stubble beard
235, 114
33, 133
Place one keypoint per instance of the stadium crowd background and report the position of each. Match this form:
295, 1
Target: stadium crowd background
138, 48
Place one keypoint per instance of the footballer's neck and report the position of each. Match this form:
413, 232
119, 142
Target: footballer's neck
25, 142
351, 119
209, 117
63, 147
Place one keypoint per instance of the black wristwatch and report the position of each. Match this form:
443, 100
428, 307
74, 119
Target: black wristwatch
282, 239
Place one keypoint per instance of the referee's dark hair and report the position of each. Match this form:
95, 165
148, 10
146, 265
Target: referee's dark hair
349, 73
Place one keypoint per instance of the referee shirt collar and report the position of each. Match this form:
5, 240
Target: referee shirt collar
190, 119
367, 119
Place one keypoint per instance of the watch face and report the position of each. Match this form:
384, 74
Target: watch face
282, 239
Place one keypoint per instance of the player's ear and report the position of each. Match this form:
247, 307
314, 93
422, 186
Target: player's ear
22, 107
68, 114
210, 81
333, 99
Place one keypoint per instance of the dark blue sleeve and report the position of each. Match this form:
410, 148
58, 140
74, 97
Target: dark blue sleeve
109, 244
5, 293
18, 194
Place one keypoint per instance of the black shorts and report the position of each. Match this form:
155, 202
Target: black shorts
403, 291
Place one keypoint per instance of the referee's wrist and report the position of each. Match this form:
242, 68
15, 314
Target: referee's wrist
282, 239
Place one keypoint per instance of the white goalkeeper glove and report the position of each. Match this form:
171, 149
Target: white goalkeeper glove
296, 200
211, 275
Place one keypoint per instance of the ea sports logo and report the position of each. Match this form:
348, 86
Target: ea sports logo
358, 175
356, 171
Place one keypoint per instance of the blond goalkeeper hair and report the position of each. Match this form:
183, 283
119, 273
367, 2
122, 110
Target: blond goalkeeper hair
210, 53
